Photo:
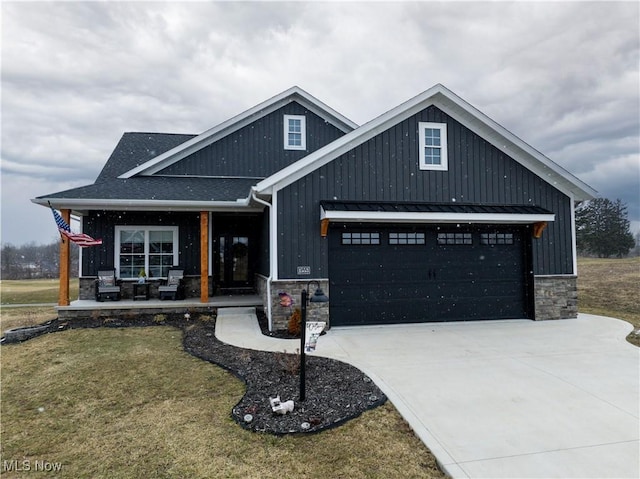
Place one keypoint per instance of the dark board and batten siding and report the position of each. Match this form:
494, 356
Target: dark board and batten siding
101, 224
257, 150
385, 168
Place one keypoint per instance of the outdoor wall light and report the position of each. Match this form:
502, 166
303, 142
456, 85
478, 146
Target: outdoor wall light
318, 297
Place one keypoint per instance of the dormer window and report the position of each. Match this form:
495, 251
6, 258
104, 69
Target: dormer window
295, 134
433, 146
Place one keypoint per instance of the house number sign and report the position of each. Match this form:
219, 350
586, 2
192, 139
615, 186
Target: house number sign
304, 269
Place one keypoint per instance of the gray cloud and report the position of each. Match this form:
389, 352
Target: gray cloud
75, 76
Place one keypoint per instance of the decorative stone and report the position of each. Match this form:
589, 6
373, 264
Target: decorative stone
314, 421
22, 334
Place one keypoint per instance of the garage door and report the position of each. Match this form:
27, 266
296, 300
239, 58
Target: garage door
393, 274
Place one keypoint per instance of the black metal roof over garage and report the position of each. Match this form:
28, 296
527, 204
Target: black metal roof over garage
376, 211
409, 207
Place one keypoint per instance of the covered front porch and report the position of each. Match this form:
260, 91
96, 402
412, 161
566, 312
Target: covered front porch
91, 308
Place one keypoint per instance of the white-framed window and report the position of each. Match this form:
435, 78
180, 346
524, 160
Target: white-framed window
153, 249
433, 146
295, 134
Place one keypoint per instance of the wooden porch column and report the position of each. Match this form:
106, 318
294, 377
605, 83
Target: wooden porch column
204, 257
65, 263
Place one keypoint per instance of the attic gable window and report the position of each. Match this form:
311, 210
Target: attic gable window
295, 135
433, 146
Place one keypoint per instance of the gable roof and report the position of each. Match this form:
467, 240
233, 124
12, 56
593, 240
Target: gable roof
134, 149
455, 107
151, 192
194, 144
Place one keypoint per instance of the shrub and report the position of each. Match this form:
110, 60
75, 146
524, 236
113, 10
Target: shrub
290, 362
294, 322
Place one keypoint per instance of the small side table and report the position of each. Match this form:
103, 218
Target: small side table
140, 291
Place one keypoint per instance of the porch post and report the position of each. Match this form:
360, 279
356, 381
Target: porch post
63, 292
204, 256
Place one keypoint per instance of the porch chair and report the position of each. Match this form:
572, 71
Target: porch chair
107, 286
173, 287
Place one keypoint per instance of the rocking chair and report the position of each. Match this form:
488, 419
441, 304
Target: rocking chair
174, 286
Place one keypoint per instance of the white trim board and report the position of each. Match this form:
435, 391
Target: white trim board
406, 217
459, 110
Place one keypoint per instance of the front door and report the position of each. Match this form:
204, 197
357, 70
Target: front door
233, 261
234, 254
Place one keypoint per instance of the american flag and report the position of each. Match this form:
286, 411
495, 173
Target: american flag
80, 239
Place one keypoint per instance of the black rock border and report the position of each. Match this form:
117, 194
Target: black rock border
336, 392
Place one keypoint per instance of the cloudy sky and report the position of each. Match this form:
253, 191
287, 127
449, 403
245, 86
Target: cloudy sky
564, 77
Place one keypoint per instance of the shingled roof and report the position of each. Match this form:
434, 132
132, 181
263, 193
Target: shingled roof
156, 191
135, 149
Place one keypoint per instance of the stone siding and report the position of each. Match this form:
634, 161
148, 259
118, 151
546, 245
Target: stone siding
131, 313
280, 315
556, 297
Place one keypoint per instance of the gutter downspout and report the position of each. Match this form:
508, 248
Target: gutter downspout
574, 238
271, 265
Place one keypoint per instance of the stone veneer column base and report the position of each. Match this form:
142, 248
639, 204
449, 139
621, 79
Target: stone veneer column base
556, 297
293, 287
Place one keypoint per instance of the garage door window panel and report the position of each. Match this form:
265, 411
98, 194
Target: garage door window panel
496, 238
455, 239
360, 238
402, 238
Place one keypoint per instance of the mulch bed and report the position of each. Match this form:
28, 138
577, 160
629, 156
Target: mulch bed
335, 391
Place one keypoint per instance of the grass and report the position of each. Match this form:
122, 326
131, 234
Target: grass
611, 287
30, 291
65, 400
28, 316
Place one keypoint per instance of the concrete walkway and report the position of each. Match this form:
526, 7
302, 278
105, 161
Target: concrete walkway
491, 399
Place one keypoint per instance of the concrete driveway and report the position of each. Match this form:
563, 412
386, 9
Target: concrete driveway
513, 399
